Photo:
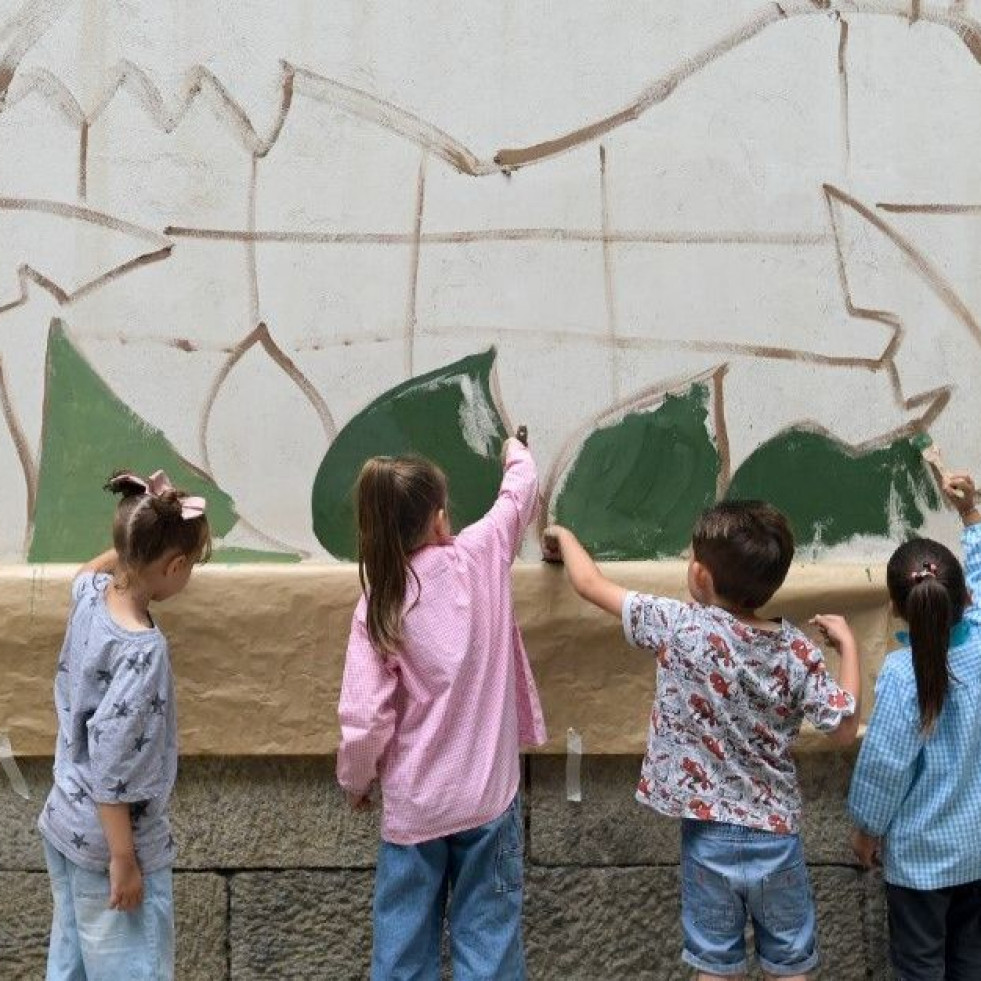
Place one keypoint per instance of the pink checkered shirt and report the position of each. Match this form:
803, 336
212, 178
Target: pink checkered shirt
441, 723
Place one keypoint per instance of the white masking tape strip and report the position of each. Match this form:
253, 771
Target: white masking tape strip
573, 766
9, 765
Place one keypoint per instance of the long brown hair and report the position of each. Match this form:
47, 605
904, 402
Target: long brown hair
927, 587
397, 498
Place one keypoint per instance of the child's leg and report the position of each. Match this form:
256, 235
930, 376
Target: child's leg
410, 897
64, 953
964, 933
121, 945
781, 905
918, 932
713, 911
487, 882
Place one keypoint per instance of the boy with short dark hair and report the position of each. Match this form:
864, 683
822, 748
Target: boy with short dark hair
732, 691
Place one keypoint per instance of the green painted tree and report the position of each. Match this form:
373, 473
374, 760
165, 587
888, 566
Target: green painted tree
87, 434
636, 486
447, 415
831, 493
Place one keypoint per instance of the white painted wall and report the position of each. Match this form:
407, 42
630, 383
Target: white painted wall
705, 237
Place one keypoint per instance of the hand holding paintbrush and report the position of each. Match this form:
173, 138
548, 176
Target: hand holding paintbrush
957, 487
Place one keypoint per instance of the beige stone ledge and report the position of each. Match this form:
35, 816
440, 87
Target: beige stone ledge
258, 651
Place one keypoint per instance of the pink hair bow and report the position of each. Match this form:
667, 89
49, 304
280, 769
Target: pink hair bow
158, 483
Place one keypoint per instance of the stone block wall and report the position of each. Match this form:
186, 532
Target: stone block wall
275, 875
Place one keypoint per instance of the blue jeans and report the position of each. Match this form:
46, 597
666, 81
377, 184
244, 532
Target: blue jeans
90, 942
730, 873
482, 870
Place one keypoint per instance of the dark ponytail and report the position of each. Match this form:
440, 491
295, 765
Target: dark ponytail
397, 498
927, 587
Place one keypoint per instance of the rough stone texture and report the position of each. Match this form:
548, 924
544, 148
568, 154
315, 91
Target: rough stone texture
876, 926
301, 925
824, 781
25, 922
609, 923
269, 812
20, 843
293, 895
610, 828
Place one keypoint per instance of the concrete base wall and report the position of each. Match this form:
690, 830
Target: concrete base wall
275, 875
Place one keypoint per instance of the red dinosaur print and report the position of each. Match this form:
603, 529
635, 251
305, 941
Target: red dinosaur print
782, 683
701, 810
714, 747
703, 709
661, 653
784, 711
764, 795
644, 787
720, 653
695, 775
778, 824
765, 736
839, 700
803, 652
719, 684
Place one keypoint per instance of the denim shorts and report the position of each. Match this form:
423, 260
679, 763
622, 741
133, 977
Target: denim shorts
731, 874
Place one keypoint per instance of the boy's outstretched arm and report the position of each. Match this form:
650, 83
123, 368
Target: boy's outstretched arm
839, 635
560, 544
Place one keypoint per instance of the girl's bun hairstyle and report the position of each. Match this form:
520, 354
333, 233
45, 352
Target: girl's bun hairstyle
153, 517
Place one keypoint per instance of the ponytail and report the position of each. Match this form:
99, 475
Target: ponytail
397, 499
927, 587
930, 615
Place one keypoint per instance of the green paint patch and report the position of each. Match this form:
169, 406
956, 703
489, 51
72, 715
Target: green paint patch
447, 415
637, 486
831, 494
88, 433
237, 556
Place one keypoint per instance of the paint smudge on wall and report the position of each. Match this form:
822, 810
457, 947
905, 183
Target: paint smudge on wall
448, 415
831, 493
88, 433
636, 486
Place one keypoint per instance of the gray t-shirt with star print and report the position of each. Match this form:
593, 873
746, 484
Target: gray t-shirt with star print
117, 734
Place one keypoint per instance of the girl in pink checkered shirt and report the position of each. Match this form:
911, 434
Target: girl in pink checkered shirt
436, 700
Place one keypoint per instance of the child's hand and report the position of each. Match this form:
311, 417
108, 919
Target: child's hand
960, 491
868, 850
551, 548
834, 629
125, 883
360, 803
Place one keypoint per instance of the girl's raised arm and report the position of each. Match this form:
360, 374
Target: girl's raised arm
517, 502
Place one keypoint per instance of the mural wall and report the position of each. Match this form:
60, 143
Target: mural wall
700, 249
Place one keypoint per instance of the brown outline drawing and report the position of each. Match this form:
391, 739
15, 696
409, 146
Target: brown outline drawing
200, 81
27, 27
933, 401
27, 462
261, 335
409, 332
966, 28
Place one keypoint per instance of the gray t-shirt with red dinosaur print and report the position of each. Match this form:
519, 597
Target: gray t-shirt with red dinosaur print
729, 706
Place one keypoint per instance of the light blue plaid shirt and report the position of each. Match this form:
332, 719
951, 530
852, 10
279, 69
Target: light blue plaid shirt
923, 796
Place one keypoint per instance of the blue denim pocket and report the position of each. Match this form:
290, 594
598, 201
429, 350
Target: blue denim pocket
786, 898
510, 870
708, 899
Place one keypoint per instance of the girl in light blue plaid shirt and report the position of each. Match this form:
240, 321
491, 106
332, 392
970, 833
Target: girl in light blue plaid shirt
916, 791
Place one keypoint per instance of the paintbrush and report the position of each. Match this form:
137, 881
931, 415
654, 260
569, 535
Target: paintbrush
931, 455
